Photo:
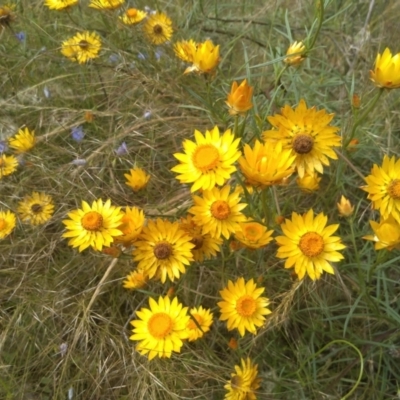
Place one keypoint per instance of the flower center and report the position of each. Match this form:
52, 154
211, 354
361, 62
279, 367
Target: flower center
92, 221
83, 44
3, 224
36, 208
303, 144
252, 231
206, 157
198, 242
192, 324
162, 250
236, 382
220, 209
157, 29
160, 325
131, 12
312, 244
246, 305
394, 189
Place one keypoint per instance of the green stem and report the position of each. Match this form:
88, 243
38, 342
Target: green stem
320, 21
278, 78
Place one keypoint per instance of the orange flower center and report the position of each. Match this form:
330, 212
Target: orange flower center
131, 12
206, 157
220, 209
3, 224
157, 29
252, 231
198, 242
92, 221
162, 250
160, 325
83, 44
36, 208
303, 144
246, 306
312, 244
394, 189
192, 324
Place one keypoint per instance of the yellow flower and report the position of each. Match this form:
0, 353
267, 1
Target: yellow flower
158, 28
253, 235
266, 164
242, 307
208, 161
344, 207
131, 225
160, 329
133, 16
82, 47
60, 4
309, 182
6, 15
106, 4
239, 99
244, 382
36, 208
135, 280
137, 179
205, 58
185, 50
218, 212
8, 164
308, 244
95, 226
387, 70
295, 53
23, 141
7, 223
204, 320
307, 132
163, 249
205, 246
383, 187
386, 234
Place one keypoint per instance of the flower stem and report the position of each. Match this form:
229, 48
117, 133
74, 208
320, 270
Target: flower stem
320, 21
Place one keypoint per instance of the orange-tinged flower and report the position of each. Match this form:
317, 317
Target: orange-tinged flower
205, 58
135, 280
137, 179
387, 70
344, 207
185, 50
133, 16
239, 99
253, 235
131, 225
199, 323
295, 54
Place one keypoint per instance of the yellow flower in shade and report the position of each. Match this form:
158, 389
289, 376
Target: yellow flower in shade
36, 209
162, 250
133, 16
82, 47
106, 4
8, 164
6, 15
208, 161
185, 50
266, 164
205, 58
158, 28
344, 207
7, 223
386, 234
60, 4
308, 244
218, 212
137, 179
253, 235
295, 53
239, 99
131, 225
23, 141
95, 226
309, 182
244, 382
242, 307
205, 246
387, 70
204, 320
161, 329
135, 280
383, 187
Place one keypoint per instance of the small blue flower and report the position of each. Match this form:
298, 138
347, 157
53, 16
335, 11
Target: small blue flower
147, 114
77, 133
21, 36
123, 149
113, 59
141, 56
158, 53
3, 146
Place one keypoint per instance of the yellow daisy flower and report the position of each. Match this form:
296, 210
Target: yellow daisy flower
7, 223
253, 235
106, 4
158, 28
6, 16
185, 50
218, 212
344, 207
137, 179
308, 244
295, 53
309, 183
307, 132
242, 307
95, 226
244, 382
135, 280
23, 141
163, 249
82, 47
386, 234
266, 164
133, 16
60, 4
239, 98
160, 329
383, 187
8, 164
131, 225
208, 161
205, 58
204, 320
36, 209
387, 70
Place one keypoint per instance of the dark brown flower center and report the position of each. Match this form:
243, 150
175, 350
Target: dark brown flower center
162, 250
157, 29
83, 44
198, 242
303, 144
36, 208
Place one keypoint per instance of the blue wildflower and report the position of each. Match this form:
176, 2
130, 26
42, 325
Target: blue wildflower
77, 133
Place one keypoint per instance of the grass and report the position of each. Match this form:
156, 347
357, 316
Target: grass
64, 316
